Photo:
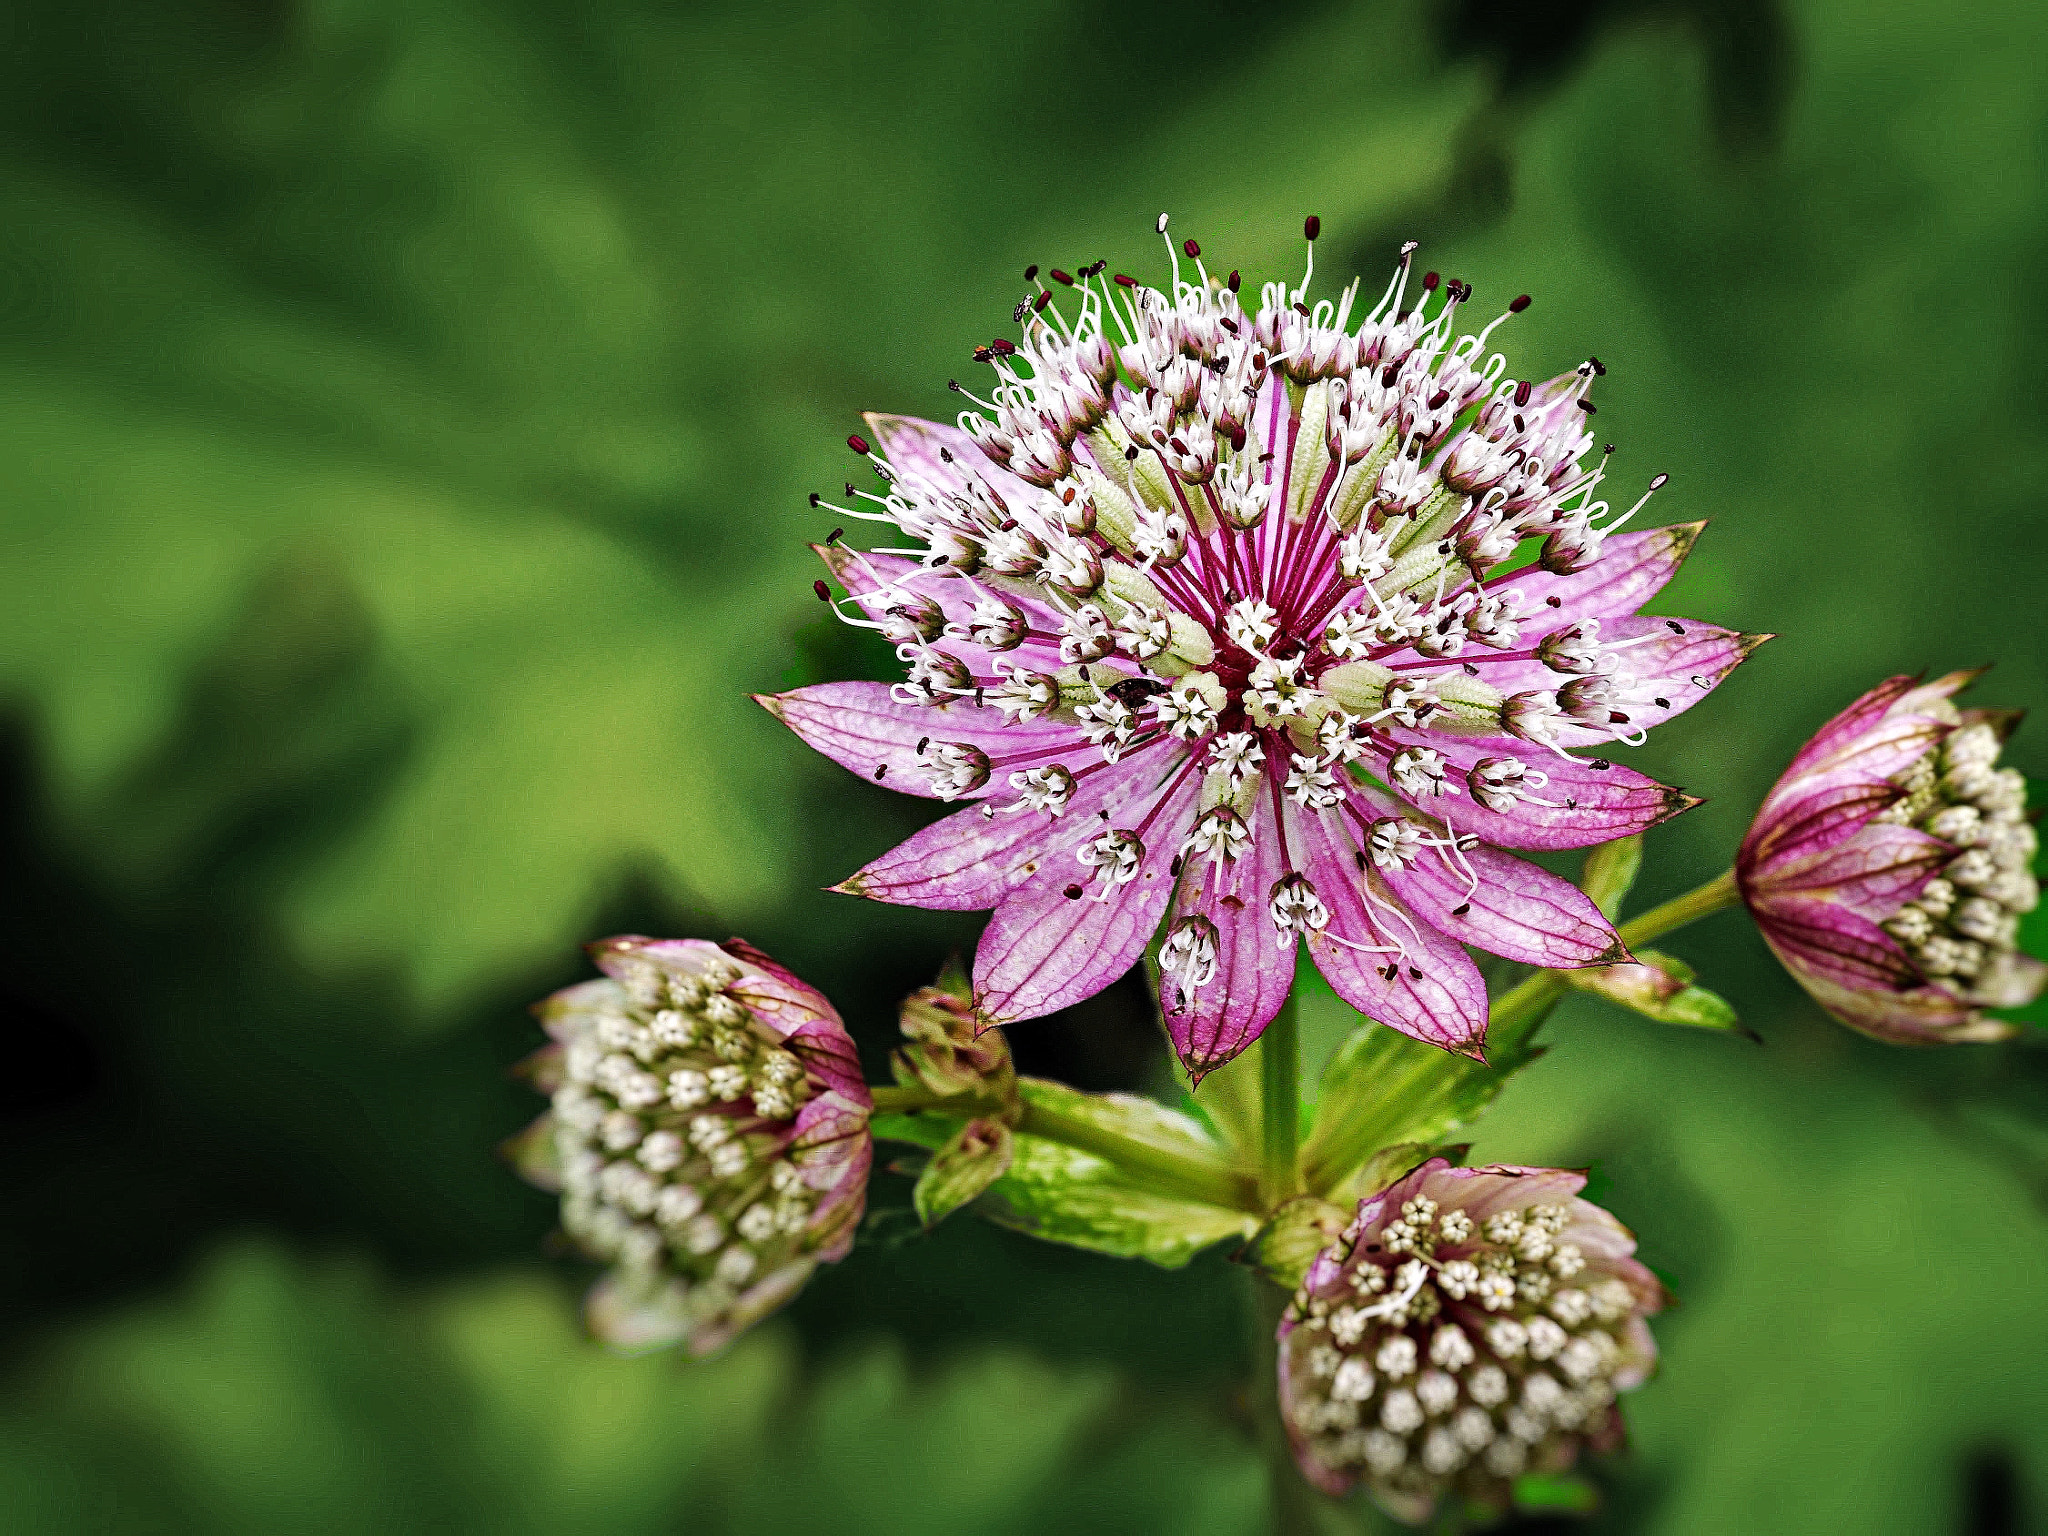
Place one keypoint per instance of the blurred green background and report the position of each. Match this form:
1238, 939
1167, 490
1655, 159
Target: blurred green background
406, 412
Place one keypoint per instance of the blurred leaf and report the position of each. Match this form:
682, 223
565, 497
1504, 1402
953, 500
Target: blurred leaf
276, 1395
1555, 1493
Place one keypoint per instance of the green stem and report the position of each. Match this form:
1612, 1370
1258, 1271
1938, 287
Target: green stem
1701, 901
1212, 1182
1292, 1502
1280, 1105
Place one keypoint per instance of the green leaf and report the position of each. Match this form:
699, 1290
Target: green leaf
973, 1158
1610, 872
1660, 987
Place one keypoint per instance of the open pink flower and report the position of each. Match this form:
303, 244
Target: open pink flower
1470, 1325
708, 1132
1889, 867
1213, 621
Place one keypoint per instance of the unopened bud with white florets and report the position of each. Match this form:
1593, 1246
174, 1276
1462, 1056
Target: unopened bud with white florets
1469, 1325
708, 1133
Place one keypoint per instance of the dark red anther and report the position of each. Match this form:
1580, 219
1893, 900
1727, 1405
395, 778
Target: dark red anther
1555, 602
1461, 909
1429, 282
922, 743
851, 489
824, 592
1522, 392
1657, 481
1674, 626
858, 444
1131, 455
836, 535
1191, 248
1125, 282
1062, 278
1388, 374
1072, 893
1598, 366
1030, 272
981, 355
1002, 346
816, 499
1518, 303
1237, 440
1311, 226
880, 770
1235, 280
1044, 298
1589, 407
1439, 400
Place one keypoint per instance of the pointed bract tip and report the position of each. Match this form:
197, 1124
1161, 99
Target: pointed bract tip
1676, 803
1615, 954
1747, 643
852, 885
772, 702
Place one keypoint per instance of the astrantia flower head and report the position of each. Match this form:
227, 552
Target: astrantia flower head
1890, 866
708, 1132
1470, 1325
1208, 606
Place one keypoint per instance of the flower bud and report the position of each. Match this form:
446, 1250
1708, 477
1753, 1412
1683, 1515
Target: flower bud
1470, 1324
708, 1134
1889, 867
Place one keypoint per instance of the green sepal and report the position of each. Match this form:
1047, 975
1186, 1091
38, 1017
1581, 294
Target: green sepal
1660, 987
973, 1157
1383, 1091
1287, 1244
1610, 873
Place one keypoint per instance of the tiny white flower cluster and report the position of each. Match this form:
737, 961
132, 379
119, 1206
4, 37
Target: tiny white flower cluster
1457, 1352
672, 1127
1965, 921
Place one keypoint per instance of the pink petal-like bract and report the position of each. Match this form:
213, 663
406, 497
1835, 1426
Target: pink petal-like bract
1223, 615
708, 1133
1470, 1325
1888, 869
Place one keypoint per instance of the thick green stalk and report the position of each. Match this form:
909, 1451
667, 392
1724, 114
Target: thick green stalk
1701, 901
1280, 1105
1172, 1173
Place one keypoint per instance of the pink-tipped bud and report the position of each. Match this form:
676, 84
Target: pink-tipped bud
1906, 927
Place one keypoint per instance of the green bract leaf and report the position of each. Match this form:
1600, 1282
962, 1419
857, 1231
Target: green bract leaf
1065, 1195
1284, 1247
1660, 987
973, 1158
